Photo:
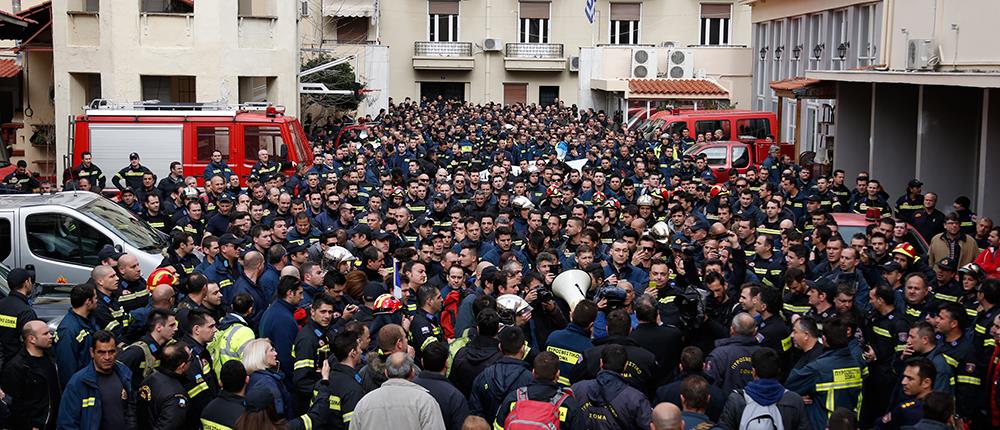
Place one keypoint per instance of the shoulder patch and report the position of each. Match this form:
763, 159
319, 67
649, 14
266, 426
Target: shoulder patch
425, 330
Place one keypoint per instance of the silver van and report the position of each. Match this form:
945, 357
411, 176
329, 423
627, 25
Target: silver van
59, 235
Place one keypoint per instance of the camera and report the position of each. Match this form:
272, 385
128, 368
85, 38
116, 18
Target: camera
542, 295
615, 297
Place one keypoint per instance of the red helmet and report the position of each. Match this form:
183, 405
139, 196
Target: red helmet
387, 304
906, 250
161, 276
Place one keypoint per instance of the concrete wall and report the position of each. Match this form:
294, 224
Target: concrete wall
989, 157
948, 141
854, 109
964, 38
894, 136
213, 45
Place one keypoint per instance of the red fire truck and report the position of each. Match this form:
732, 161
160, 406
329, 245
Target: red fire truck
188, 133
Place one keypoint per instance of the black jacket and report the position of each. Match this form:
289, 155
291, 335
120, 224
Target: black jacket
163, 402
310, 349
200, 381
14, 313
544, 391
223, 411
631, 408
672, 393
470, 361
665, 342
344, 385
640, 370
454, 408
729, 363
33, 384
495, 383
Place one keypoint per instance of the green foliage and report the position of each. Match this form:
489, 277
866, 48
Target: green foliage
340, 77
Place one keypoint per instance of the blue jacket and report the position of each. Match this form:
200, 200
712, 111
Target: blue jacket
568, 344
631, 406
224, 274
636, 276
268, 282
217, 169
494, 383
278, 324
260, 301
834, 380
729, 363
74, 338
271, 381
80, 407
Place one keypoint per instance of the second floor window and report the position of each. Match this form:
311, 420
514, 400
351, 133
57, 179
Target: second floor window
715, 23
442, 21
624, 27
533, 25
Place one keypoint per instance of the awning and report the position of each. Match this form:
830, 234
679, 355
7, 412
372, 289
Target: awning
675, 89
803, 88
12, 26
349, 8
9, 69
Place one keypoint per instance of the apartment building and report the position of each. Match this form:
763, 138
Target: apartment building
529, 50
908, 89
174, 51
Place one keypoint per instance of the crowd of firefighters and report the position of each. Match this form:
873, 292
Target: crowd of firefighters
449, 269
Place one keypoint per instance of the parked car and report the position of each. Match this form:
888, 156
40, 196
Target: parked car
59, 235
50, 301
724, 156
849, 224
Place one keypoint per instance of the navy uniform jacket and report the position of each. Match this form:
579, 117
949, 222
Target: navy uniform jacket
833, 380
80, 407
568, 344
907, 413
729, 363
74, 338
454, 407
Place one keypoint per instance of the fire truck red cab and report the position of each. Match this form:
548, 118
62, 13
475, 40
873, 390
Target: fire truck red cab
188, 133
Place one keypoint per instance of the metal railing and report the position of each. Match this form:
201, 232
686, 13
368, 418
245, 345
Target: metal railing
534, 50
442, 49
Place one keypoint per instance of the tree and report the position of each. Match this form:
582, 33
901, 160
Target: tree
339, 77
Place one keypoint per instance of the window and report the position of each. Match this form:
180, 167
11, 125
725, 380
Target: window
867, 37
257, 137
211, 139
795, 50
777, 49
741, 157
677, 127
715, 23
90, 6
442, 20
710, 125
257, 88
839, 39
547, 95
167, 6
758, 128
168, 89
624, 26
760, 75
815, 44
259, 8
352, 29
533, 22
6, 244
64, 238
716, 155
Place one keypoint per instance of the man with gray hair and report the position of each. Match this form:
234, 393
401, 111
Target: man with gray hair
398, 403
729, 363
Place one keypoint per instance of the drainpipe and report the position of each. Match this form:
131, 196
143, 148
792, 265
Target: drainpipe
486, 56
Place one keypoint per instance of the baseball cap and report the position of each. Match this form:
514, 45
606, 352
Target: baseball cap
915, 183
381, 235
700, 225
824, 286
110, 251
362, 229
229, 239
440, 197
133, 156
948, 264
372, 290
815, 198
16, 277
295, 249
891, 266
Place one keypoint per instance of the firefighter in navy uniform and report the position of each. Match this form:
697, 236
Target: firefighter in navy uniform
154, 216
87, 169
342, 388
795, 300
911, 202
885, 332
958, 350
309, 350
200, 381
15, 311
264, 167
131, 174
163, 402
425, 327
223, 412
767, 264
20, 179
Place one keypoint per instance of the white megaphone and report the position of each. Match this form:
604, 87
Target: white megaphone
571, 286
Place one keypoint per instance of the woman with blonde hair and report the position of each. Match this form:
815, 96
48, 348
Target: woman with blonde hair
261, 361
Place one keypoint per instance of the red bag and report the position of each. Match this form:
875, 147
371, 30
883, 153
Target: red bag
533, 414
449, 313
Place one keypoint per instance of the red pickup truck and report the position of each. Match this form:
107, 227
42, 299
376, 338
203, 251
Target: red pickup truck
723, 156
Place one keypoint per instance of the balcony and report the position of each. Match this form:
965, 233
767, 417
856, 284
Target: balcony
443, 56
534, 57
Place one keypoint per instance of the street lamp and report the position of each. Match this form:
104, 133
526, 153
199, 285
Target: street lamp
842, 49
778, 51
763, 53
818, 51
796, 52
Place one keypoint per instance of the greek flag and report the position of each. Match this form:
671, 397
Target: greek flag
589, 10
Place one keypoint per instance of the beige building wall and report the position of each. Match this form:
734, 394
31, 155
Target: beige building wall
213, 45
401, 23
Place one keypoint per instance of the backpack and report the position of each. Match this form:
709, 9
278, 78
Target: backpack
449, 311
534, 414
758, 417
149, 363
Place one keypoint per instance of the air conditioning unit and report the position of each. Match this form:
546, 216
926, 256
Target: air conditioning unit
643, 64
670, 44
574, 63
680, 64
492, 44
920, 54
305, 7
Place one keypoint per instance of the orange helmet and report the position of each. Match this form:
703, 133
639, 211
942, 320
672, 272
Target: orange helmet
387, 304
717, 190
906, 250
161, 276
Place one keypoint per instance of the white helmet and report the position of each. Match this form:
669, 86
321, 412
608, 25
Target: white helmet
644, 200
660, 232
522, 202
338, 254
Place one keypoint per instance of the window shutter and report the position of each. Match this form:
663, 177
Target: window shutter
515, 93
534, 10
715, 10
625, 11
442, 7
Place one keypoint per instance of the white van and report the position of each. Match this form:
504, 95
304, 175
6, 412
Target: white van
59, 235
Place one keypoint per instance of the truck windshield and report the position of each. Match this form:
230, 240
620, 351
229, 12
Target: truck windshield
129, 228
